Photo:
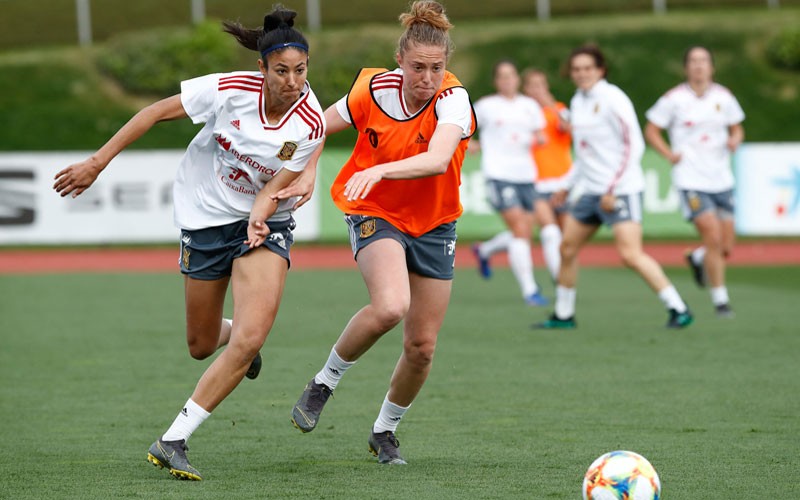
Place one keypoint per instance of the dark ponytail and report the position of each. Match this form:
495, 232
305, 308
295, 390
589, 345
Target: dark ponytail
277, 34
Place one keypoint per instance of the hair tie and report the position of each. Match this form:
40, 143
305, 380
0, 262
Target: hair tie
283, 46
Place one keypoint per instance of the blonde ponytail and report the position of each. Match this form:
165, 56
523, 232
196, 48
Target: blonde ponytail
426, 24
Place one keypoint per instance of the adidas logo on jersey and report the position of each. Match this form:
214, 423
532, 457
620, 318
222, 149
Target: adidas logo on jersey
235, 124
421, 139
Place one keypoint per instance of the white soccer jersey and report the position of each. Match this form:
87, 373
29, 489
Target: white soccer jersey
507, 128
452, 106
237, 152
698, 130
607, 140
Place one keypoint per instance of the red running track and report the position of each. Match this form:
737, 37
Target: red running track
340, 257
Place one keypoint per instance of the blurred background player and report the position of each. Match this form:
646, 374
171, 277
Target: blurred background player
553, 160
608, 152
249, 144
400, 193
509, 123
704, 121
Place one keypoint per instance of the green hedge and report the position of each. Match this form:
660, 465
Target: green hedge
784, 49
155, 62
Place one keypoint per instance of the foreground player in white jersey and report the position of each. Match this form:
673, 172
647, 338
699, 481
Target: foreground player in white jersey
704, 121
508, 125
261, 128
608, 153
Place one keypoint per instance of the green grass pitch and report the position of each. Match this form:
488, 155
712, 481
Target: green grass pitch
94, 367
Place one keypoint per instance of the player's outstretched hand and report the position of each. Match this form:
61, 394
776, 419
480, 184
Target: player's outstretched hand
77, 178
559, 198
361, 183
257, 233
303, 187
674, 158
608, 202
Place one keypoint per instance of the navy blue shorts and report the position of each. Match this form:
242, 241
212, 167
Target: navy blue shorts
208, 254
694, 203
503, 195
587, 209
432, 254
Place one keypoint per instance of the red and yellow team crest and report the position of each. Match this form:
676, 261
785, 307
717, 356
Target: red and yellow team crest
694, 202
367, 228
287, 151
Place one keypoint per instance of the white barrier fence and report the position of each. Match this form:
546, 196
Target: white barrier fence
768, 189
131, 202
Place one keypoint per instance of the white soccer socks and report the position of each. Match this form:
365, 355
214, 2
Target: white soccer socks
551, 244
389, 417
672, 299
333, 370
498, 243
565, 302
698, 254
187, 421
719, 295
519, 256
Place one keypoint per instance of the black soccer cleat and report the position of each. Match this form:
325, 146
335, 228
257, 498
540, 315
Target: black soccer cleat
255, 367
698, 272
678, 319
386, 447
306, 411
556, 323
724, 311
172, 455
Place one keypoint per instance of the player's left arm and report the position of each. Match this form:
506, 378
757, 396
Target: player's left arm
434, 161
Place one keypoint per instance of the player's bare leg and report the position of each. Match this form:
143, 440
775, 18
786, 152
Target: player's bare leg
429, 300
258, 280
258, 285
520, 222
205, 328
575, 236
384, 269
628, 238
550, 236
717, 236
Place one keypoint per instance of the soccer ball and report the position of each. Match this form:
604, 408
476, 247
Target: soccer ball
621, 475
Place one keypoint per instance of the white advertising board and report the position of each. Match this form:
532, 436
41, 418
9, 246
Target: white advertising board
768, 189
131, 201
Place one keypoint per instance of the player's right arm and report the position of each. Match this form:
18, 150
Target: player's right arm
654, 135
659, 117
303, 186
77, 178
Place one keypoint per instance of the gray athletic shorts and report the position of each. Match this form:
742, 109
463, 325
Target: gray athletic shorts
693, 203
587, 209
561, 209
503, 195
208, 254
432, 255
